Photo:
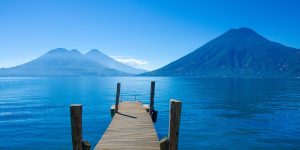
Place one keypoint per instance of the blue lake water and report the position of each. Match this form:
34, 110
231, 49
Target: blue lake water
216, 113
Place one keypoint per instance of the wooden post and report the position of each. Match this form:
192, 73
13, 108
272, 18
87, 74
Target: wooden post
152, 92
175, 111
112, 110
117, 97
86, 145
164, 143
76, 126
153, 115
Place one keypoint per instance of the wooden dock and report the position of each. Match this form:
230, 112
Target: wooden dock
131, 127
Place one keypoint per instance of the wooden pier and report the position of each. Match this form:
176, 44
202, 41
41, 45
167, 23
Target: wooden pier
131, 127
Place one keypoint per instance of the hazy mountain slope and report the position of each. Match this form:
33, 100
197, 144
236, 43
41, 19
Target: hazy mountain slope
60, 62
109, 62
237, 53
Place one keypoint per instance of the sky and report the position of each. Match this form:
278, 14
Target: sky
147, 34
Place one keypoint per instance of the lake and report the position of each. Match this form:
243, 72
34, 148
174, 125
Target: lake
216, 113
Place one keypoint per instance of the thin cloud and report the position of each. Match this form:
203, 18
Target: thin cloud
137, 63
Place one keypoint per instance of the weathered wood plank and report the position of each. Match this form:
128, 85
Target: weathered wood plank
130, 129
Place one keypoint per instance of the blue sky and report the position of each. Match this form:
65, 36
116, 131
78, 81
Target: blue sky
147, 34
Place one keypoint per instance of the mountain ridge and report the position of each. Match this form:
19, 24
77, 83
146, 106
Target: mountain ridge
63, 62
236, 53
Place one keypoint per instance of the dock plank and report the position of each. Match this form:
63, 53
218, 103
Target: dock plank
130, 129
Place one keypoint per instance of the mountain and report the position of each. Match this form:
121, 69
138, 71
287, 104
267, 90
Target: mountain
109, 62
237, 53
61, 62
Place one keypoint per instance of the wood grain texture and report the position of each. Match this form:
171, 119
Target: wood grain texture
175, 112
76, 126
130, 129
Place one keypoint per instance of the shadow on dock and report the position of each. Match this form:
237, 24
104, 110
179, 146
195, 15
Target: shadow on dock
126, 115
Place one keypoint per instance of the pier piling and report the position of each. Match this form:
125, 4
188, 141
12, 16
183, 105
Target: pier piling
76, 125
171, 142
152, 92
175, 112
117, 97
